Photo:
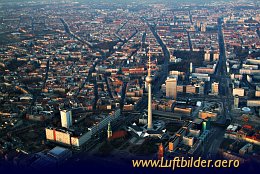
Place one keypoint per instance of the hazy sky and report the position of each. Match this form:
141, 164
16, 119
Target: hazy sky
192, 1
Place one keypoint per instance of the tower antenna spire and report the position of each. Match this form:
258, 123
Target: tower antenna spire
149, 61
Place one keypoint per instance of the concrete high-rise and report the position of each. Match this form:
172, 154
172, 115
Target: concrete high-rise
149, 80
207, 56
191, 67
236, 102
66, 118
214, 88
171, 88
109, 131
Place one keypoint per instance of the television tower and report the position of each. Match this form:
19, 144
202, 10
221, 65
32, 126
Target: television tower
149, 80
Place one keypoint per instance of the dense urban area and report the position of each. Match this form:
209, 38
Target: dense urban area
113, 81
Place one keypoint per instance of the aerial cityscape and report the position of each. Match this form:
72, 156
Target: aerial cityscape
114, 81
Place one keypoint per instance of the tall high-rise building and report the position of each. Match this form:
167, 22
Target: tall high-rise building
109, 131
149, 80
171, 88
191, 67
214, 88
215, 56
66, 118
199, 88
236, 102
207, 56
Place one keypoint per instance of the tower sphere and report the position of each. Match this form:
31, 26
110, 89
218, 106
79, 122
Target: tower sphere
149, 79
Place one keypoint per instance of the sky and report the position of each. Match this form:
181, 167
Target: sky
192, 1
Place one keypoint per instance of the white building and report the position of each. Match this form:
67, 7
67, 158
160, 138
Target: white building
66, 118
